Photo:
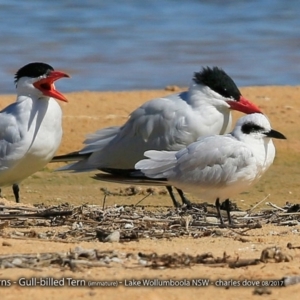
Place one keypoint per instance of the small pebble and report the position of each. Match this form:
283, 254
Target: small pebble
114, 237
212, 220
6, 244
128, 226
17, 262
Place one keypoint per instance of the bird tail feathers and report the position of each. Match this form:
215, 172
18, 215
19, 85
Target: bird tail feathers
137, 178
73, 156
158, 165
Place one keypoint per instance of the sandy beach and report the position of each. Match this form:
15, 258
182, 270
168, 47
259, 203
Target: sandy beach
89, 111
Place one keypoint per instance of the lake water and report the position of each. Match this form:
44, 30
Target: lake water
148, 44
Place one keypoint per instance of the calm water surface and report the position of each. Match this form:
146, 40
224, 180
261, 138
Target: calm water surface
145, 44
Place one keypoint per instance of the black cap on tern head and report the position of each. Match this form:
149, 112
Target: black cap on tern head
218, 81
33, 70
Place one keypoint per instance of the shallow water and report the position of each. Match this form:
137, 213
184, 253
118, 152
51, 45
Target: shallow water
122, 45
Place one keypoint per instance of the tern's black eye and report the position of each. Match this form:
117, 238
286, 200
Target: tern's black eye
251, 127
218, 81
33, 70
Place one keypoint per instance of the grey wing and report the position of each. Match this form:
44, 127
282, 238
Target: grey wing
99, 139
159, 124
151, 123
213, 161
10, 136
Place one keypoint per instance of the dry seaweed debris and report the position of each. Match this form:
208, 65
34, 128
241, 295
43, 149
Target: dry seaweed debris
275, 254
79, 258
68, 223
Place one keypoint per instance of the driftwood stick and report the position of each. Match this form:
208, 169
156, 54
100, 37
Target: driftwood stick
289, 214
243, 263
275, 206
43, 214
18, 208
250, 211
143, 199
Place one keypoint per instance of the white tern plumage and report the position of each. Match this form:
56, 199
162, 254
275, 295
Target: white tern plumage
168, 123
214, 167
30, 128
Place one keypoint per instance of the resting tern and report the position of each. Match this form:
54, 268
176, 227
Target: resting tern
31, 127
168, 123
215, 167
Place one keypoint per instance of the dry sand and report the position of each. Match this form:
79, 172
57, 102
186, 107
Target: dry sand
89, 111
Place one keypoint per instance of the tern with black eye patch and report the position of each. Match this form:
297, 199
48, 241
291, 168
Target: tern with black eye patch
214, 167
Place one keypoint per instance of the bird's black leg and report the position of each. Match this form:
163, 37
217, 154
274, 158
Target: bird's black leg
227, 208
16, 190
219, 211
183, 198
1, 193
170, 190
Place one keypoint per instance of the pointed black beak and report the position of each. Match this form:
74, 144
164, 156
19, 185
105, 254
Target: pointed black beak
275, 134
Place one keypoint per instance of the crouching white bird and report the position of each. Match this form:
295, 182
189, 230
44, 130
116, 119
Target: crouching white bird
214, 167
168, 123
31, 127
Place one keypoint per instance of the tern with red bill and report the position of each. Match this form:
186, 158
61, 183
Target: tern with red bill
31, 127
169, 123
